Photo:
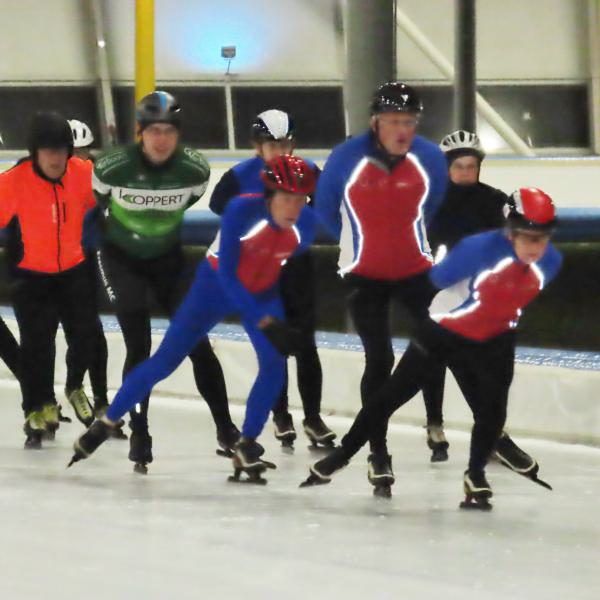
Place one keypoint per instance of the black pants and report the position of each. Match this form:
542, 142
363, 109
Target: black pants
483, 371
297, 285
40, 301
9, 349
369, 304
128, 282
99, 359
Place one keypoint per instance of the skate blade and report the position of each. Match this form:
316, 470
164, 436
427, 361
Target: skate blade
481, 506
439, 456
313, 480
287, 444
382, 491
140, 468
247, 480
224, 453
252, 478
541, 482
322, 447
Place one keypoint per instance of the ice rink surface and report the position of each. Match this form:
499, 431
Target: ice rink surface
100, 531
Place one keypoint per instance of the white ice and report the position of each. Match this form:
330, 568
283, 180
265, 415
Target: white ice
98, 530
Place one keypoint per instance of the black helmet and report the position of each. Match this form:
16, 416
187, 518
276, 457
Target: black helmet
49, 129
272, 126
158, 107
395, 96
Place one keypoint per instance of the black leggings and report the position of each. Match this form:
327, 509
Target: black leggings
297, 285
9, 349
99, 359
483, 371
369, 304
128, 282
40, 301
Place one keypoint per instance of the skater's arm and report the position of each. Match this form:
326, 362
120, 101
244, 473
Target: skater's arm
200, 170
307, 228
437, 169
7, 200
233, 227
102, 190
227, 188
328, 197
462, 262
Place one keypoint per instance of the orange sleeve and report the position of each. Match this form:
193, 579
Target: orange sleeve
8, 201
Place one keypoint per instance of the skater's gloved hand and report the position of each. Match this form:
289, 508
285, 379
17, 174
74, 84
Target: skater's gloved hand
287, 340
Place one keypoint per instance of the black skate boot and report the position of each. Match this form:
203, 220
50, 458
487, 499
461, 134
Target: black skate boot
322, 470
227, 438
81, 405
247, 459
140, 446
477, 491
284, 430
380, 474
90, 440
51, 418
100, 408
511, 456
320, 436
35, 429
437, 442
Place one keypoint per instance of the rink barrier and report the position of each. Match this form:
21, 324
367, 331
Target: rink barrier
554, 394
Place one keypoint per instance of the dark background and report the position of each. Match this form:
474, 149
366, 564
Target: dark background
548, 115
564, 316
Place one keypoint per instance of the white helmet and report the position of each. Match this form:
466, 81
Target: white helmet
272, 125
82, 134
462, 143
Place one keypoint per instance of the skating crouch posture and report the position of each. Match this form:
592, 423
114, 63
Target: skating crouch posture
486, 281
240, 276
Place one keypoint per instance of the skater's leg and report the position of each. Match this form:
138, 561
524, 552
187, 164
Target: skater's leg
270, 379
167, 281
484, 373
210, 382
98, 365
416, 294
297, 285
9, 349
204, 306
400, 387
35, 310
369, 306
77, 312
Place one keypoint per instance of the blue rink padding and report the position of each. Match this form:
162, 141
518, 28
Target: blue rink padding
543, 357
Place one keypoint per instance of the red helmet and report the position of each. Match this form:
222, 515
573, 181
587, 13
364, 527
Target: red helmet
290, 174
530, 208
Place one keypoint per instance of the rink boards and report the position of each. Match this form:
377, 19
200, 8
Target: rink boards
554, 394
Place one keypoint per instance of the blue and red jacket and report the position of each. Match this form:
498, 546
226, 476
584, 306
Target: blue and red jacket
242, 180
250, 250
379, 212
485, 287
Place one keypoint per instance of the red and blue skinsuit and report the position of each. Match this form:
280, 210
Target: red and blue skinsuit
485, 287
239, 276
378, 213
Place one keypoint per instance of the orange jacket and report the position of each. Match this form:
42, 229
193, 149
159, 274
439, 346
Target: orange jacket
50, 214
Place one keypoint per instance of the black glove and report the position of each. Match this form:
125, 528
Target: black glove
287, 340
